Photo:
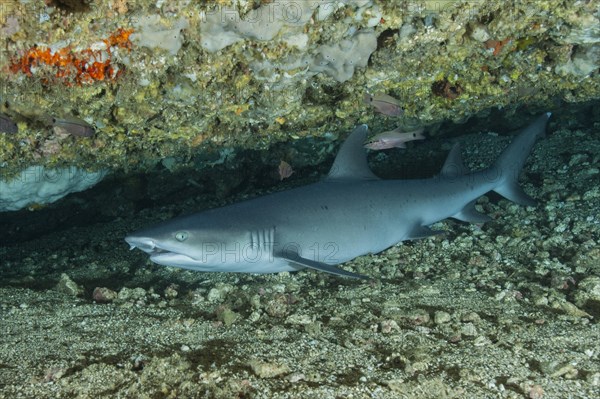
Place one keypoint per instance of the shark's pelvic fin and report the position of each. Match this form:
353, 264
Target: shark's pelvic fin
294, 258
511, 191
471, 215
511, 161
351, 160
454, 166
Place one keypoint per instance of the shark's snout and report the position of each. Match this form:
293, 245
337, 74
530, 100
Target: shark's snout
145, 244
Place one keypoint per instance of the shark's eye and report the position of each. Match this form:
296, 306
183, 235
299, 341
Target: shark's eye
181, 236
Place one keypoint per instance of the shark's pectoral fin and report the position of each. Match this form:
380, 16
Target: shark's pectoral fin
470, 214
418, 232
296, 259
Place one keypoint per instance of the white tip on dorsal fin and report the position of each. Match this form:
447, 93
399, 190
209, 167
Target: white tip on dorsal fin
454, 165
351, 160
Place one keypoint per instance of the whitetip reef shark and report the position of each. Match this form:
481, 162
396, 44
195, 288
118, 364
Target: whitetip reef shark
350, 213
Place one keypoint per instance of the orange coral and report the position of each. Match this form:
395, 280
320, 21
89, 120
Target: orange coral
120, 39
85, 66
497, 45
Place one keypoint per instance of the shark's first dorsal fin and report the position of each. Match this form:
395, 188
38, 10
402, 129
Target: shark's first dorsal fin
454, 166
351, 160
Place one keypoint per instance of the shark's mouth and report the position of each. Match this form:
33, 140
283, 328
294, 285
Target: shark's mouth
162, 256
157, 254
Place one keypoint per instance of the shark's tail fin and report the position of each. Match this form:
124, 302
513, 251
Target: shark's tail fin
511, 161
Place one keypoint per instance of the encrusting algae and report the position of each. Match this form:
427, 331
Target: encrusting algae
146, 103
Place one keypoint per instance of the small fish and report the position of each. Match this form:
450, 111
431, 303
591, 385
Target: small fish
7, 125
394, 138
285, 170
387, 105
74, 126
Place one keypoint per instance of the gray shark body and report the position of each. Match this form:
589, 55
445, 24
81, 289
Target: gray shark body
348, 214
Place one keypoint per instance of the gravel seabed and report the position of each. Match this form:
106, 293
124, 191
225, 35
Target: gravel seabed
507, 310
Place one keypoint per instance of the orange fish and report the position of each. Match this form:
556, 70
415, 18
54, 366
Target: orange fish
384, 104
285, 170
394, 138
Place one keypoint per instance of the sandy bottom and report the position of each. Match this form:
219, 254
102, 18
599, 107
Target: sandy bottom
507, 310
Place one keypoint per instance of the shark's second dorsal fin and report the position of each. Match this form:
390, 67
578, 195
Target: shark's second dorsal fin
454, 165
351, 160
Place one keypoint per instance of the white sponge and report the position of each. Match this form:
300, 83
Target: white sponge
339, 60
152, 33
39, 185
224, 26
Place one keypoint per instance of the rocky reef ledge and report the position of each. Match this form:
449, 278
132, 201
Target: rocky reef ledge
128, 85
